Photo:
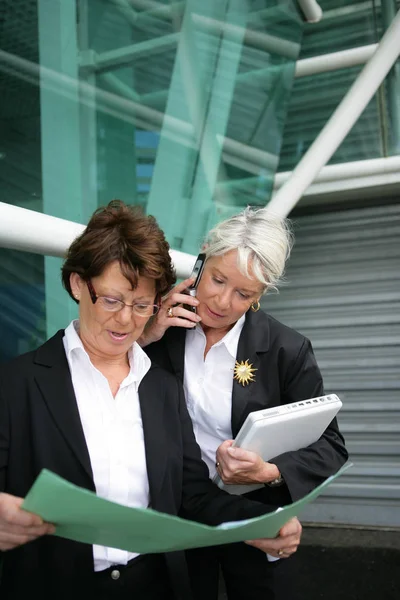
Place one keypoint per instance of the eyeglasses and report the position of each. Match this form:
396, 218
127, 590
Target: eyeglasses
113, 305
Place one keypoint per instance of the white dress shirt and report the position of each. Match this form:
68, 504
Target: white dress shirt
208, 389
113, 431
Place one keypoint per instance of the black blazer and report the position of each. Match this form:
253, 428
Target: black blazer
286, 372
40, 428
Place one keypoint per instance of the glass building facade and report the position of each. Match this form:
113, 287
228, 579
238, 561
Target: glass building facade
186, 108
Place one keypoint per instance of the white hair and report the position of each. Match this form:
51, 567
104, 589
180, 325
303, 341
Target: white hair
263, 242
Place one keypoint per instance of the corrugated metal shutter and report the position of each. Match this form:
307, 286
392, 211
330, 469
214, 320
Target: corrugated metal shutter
343, 292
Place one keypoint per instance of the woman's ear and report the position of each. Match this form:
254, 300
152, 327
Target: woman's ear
76, 282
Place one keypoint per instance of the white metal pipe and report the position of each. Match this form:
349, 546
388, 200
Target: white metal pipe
348, 174
341, 121
31, 231
334, 61
350, 9
311, 10
183, 263
371, 185
350, 170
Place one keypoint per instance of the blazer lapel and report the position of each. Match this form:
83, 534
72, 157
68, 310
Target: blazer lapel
154, 433
254, 340
54, 381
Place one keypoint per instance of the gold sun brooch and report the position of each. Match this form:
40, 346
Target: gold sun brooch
244, 372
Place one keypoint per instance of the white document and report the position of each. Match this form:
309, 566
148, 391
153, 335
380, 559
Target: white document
273, 431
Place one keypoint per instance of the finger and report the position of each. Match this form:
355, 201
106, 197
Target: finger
36, 530
11, 540
222, 448
291, 527
291, 550
245, 455
178, 300
266, 545
177, 294
11, 512
184, 284
180, 287
183, 313
287, 542
276, 544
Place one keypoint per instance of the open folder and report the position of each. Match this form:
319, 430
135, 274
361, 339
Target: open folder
82, 516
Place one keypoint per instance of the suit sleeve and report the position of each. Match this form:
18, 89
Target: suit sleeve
202, 500
305, 469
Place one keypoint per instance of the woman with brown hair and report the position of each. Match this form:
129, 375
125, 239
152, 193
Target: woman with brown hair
89, 406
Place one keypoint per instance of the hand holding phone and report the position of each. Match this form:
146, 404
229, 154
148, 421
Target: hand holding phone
196, 275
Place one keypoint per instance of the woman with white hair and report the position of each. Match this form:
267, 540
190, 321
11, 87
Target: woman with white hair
234, 359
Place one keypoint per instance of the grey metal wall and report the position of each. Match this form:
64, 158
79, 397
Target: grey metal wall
343, 292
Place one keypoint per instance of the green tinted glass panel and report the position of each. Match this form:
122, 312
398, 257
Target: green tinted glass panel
176, 106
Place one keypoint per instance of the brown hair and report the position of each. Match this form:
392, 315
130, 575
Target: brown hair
118, 232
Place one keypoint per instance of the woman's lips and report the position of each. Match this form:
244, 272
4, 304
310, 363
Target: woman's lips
214, 314
118, 337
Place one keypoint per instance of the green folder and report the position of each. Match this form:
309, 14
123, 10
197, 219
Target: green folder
82, 516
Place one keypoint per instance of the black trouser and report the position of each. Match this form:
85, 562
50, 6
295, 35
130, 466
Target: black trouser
247, 573
143, 578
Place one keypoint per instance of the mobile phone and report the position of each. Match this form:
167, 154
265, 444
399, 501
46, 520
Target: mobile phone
196, 274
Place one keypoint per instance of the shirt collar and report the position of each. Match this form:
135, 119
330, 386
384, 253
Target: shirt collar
139, 362
230, 339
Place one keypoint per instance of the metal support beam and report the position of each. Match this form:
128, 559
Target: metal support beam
31, 231
333, 178
311, 10
157, 9
334, 61
114, 59
341, 121
351, 170
392, 86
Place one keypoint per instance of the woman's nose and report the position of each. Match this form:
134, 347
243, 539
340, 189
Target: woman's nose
224, 299
124, 315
